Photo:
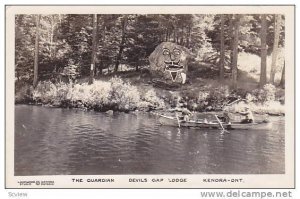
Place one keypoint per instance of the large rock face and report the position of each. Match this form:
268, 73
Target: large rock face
169, 61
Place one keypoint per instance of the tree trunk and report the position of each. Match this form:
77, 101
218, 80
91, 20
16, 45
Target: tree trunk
230, 34
182, 36
52, 45
36, 54
51, 38
174, 35
275, 47
166, 35
161, 37
222, 53
263, 38
101, 65
188, 39
235, 51
122, 45
18, 75
282, 81
231, 29
94, 50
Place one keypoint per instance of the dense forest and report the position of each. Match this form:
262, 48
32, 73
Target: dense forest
75, 50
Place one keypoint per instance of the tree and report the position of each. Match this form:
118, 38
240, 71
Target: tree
36, 54
94, 49
76, 36
230, 35
25, 29
282, 81
275, 47
212, 29
235, 50
100, 43
122, 44
67, 41
263, 37
49, 33
222, 57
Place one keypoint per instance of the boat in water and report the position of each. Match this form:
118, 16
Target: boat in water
213, 124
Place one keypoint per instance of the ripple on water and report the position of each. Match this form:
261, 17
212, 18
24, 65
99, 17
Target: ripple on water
60, 141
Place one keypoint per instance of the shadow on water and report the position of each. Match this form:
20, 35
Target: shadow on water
52, 141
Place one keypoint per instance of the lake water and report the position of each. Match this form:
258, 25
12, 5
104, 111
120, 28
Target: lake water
54, 141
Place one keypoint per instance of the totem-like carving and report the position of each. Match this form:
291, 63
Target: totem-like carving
169, 60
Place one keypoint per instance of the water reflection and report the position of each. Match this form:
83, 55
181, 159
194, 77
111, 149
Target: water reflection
52, 141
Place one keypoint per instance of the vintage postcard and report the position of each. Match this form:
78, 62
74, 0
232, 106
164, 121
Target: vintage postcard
150, 96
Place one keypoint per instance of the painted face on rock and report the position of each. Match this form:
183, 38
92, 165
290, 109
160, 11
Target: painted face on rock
172, 58
169, 60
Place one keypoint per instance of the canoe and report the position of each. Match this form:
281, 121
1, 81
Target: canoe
213, 124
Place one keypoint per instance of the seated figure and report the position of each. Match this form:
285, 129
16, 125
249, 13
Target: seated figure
248, 116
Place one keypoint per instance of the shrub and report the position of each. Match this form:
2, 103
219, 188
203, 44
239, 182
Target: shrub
23, 94
280, 95
274, 107
124, 95
101, 94
150, 99
71, 71
45, 92
216, 96
62, 91
113, 94
266, 94
219, 93
202, 96
236, 107
250, 97
269, 92
270, 107
81, 93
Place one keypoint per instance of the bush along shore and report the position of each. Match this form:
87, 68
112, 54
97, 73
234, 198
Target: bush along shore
117, 95
114, 94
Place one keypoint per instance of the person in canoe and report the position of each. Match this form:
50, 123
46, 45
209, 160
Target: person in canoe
225, 117
186, 113
182, 112
248, 116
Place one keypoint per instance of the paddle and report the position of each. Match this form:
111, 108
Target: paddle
235, 101
177, 119
223, 130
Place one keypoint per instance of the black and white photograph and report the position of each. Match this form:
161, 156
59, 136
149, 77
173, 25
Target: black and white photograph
181, 92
